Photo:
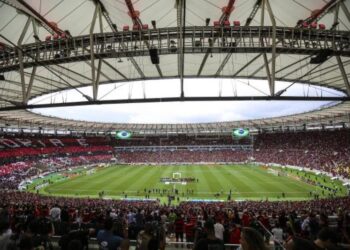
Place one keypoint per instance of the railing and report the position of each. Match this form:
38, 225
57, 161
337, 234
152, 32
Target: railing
271, 236
183, 147
197, 39
170, 245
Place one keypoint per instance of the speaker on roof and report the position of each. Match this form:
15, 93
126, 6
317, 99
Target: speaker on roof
154, 25
153, 52
321, 57
207, 21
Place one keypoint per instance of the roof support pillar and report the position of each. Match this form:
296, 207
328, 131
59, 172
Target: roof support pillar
336, 13
246, 65
92, 52
97, 80
180, 57
137, 21
20, 58
250, 18
273, 63
344, 75
32, 75
262, 17
345, 10
225, 16
339, 60
266, 61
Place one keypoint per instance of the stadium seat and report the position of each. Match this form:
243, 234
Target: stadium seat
236, 23
313, 25
321, 26
226, 23
136, 27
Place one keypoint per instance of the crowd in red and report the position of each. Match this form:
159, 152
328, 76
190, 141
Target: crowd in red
323, 150
25, 156
20, 209
328, 151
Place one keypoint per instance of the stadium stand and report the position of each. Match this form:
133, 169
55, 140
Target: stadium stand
22, 157
327, 151
23, 212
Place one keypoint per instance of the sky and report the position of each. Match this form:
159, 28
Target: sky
183, 112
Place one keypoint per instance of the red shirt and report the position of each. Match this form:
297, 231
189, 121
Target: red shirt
235, 236
179, 225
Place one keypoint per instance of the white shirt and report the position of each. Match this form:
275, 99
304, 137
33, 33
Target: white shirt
219, 230
277, 234
55, 214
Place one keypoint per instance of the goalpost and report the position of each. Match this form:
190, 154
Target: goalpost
177, 175
273, 171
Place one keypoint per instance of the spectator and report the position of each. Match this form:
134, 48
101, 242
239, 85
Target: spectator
252, 240
210, 241
277, 232
179, 228
219, 230
299, 244
235, 234
106, 239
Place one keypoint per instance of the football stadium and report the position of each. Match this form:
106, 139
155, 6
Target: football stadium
166, 124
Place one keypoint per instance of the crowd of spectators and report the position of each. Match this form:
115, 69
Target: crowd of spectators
328, 151
23, 214
27, 218
181, 140
24, 156
12, 174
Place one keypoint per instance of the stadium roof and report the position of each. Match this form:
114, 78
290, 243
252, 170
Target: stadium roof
50, 46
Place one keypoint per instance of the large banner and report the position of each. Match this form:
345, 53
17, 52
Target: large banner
41, 143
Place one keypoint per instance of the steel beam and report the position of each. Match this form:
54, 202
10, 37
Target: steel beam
47, 81
114, 69
344, 75
345, 10
32, 76
181, 57
20, 58
292, 64
97, 82
137, 21
273, 56
71, 71
336, 14
106, 15
320, 13
176, 99
26, 12
225, 16
339, 39
92, 53
228, 56
246, 65
326, 70
41, 18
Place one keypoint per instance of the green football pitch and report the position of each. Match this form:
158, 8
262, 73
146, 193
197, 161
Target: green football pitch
208, 183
